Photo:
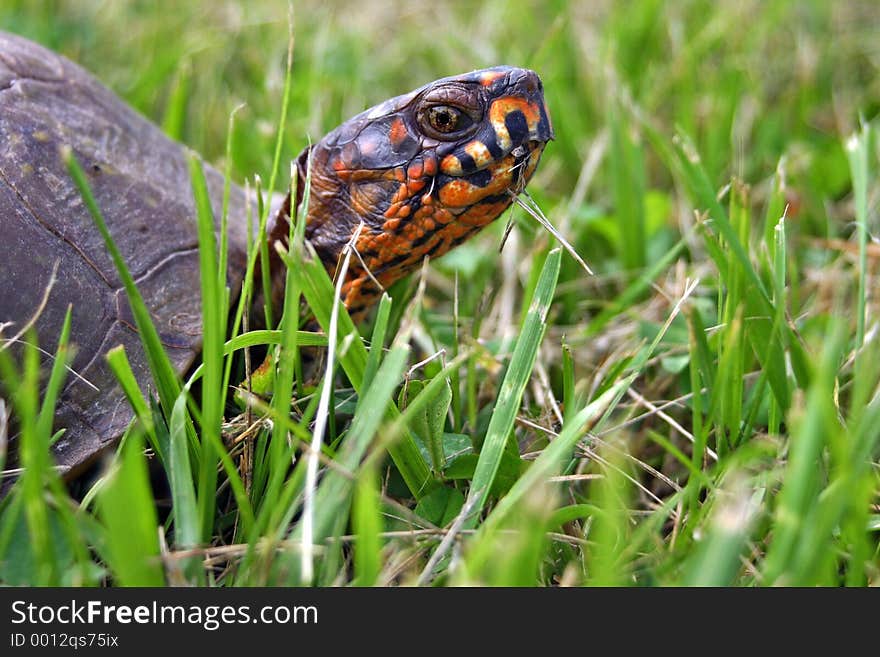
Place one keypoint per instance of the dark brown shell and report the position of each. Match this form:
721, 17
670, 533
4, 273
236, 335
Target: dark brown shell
141, 181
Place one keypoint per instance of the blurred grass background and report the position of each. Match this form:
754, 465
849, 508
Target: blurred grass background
767, 93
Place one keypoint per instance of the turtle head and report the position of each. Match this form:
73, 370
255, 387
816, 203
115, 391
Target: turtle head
423, 172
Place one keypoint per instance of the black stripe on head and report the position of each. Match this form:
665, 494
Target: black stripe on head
480, 178
517, 126
467, 162
493, 147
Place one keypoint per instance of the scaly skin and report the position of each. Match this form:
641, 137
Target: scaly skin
423, 171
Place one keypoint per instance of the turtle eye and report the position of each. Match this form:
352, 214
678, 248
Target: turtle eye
446, 119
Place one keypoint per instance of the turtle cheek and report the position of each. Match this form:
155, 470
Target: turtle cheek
371, 199
501, 178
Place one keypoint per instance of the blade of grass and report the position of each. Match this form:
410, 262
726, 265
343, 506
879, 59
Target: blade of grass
552, 458
318, 291
609, 531
377, 341
118, 362
515, 380
307, 523
56, 378
715, 561
187, 529
127, 509
175, 111
167, 384
367, 524
34, 455
331, 498
628, 176
288, 350
214, 317
802, 477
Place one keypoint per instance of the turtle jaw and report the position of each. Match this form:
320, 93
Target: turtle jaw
526, 158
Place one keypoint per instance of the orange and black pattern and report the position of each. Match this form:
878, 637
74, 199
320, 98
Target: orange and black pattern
423, 171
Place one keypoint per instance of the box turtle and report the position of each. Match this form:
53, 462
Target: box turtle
423, 172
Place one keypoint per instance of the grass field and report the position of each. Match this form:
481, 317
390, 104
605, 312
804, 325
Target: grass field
704, 410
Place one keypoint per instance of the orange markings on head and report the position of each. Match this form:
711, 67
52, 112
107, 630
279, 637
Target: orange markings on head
454, 230
451, 166
398, 245
499, 110
460, 193
432, 214
430, 166
342, 171
443, 216
478, 150
423, 212
415, 186
483, 213
401, 194
489, 77
415, 170
398, 132
396, 211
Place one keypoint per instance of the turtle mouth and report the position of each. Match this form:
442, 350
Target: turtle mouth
496, 181
525, 158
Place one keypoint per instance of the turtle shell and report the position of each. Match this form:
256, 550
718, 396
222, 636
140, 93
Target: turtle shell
140, 179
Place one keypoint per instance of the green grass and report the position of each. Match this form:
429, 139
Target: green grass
704, 410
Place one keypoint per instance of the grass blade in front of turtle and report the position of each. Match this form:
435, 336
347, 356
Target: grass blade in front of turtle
214, 318
166, 380
319, 293
127, 509
56, 379
288, 350
332, 499
377, 339
183, 495
34, 455
117, 359
549, 463
366, 521
507, 404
